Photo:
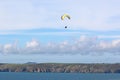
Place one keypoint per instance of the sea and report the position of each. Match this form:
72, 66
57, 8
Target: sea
58, 76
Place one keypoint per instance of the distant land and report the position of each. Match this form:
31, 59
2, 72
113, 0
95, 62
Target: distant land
61, 67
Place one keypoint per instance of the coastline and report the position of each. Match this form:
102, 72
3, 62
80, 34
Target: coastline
61, 68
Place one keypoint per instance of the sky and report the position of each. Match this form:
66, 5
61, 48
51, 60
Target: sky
32, 31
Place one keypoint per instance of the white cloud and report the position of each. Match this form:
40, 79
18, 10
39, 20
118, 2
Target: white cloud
32, 44
10, 48
116, 43
84, 45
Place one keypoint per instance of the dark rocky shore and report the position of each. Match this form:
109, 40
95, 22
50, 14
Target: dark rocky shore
61, 68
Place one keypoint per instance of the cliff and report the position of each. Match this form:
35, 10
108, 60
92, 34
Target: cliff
61, 68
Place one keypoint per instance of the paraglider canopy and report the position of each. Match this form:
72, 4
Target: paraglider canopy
65, 16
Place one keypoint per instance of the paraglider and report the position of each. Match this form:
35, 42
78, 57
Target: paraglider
65, 16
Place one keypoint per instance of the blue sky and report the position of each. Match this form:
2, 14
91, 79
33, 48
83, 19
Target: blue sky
34, 27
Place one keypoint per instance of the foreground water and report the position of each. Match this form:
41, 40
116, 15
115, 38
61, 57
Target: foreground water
58, 76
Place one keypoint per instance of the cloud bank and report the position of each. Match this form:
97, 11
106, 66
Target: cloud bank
84, 45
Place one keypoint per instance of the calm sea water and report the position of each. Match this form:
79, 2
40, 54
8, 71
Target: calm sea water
58, 76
